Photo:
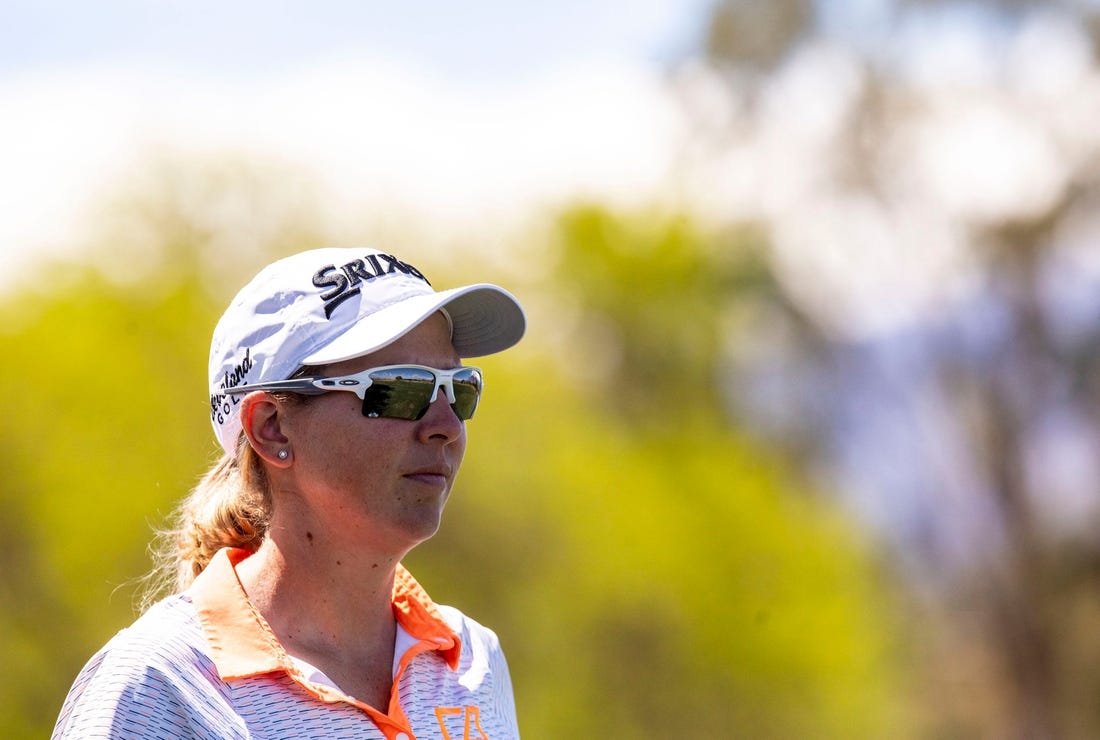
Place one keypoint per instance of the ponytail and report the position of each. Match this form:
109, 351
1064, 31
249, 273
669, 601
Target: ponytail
229, 507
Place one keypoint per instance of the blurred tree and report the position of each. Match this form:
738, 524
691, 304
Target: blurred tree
35, 624
1010, 369
744, 34
650, 297
106, 375
651, 572
95, 376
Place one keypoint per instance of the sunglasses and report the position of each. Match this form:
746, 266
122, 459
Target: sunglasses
392, 391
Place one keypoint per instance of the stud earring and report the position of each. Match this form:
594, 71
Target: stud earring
283, 454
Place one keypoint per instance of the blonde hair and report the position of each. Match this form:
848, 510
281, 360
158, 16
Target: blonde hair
230, 506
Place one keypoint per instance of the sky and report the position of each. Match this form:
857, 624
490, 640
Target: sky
472, 42
468, 117
469, 111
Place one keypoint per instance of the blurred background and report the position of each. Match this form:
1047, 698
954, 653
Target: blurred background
803, 440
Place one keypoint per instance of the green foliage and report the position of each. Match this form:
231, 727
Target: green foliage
651, 572
105, 391
652, 294
673, 585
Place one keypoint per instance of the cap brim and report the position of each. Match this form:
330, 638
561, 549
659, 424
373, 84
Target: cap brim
485, 319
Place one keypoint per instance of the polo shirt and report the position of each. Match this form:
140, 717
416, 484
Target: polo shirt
205, 664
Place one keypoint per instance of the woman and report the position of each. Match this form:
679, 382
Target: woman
339, 398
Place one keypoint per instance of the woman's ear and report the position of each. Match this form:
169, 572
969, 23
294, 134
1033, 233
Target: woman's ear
261, 417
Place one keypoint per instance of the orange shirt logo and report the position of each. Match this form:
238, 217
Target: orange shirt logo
467, 718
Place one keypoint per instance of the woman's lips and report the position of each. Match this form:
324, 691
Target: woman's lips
429, 477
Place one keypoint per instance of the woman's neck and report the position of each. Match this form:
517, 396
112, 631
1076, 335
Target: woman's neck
332, 609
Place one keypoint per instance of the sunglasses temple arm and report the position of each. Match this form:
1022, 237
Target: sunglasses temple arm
296, 385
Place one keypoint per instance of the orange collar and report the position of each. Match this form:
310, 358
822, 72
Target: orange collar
242, 643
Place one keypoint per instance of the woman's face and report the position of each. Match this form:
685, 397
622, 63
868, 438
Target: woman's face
386, 480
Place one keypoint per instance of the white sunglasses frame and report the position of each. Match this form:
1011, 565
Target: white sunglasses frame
359, 382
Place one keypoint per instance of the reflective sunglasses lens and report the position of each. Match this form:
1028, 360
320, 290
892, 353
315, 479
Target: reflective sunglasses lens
467, 385
399, 393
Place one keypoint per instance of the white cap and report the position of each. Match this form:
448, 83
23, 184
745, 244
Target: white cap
328, 305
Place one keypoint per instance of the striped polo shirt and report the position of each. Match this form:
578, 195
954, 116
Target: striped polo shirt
205, 664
